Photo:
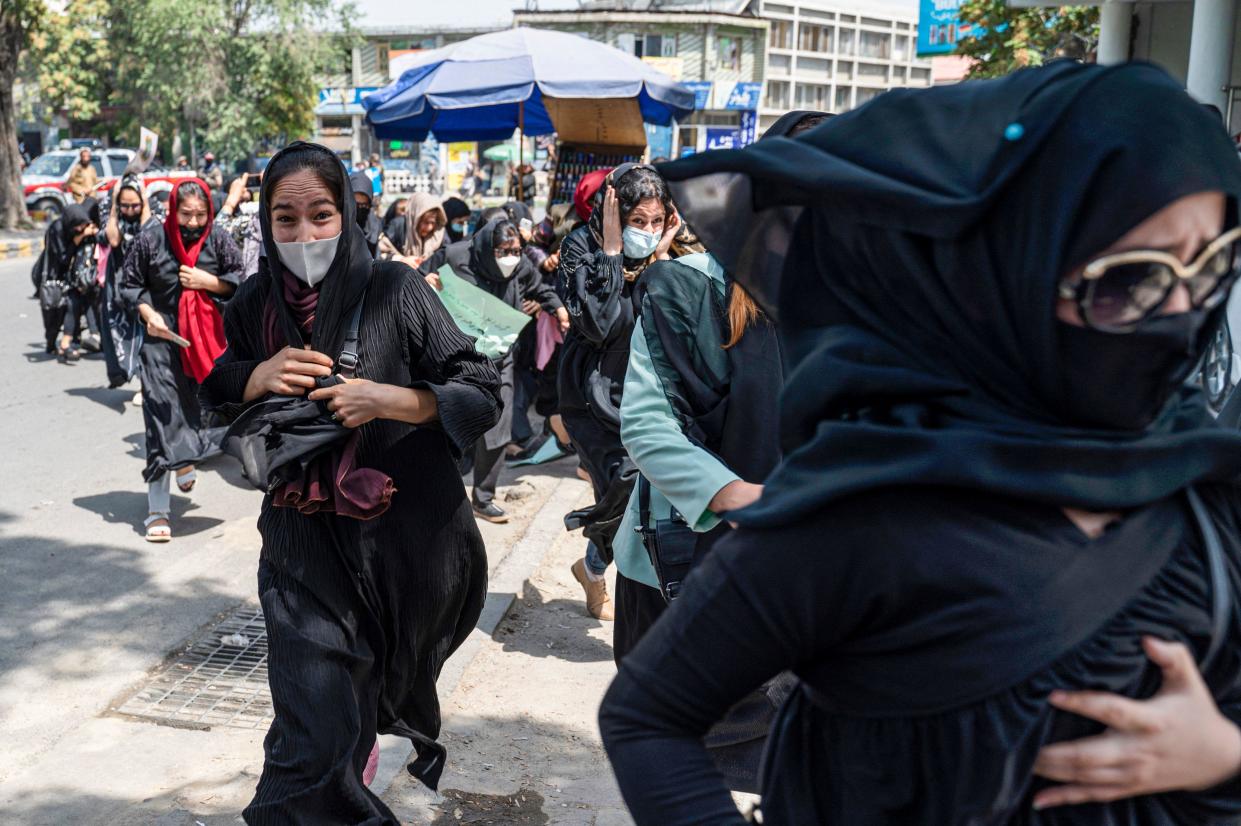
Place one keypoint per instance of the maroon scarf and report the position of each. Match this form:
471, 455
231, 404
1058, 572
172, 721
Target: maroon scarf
198, 318
332, 482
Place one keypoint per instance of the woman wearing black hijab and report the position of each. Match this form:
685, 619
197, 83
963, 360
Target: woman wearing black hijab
492, 261
69, 260
362, 187
994, 483
458, 214
372, 570
129, 213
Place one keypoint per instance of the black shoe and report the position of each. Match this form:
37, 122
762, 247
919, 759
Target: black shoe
490, 512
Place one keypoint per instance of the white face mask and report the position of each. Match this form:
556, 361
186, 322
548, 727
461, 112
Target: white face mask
308, 260
507, 264
639, 243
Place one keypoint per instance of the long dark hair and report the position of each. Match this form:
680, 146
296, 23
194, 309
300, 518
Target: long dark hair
638, 184
330, 172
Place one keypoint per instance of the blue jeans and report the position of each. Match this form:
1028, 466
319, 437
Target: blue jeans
594, 562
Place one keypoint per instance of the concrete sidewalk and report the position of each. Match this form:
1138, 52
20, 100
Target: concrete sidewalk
20, 244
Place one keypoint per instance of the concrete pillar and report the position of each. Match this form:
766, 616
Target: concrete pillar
1115, 20
1210, 50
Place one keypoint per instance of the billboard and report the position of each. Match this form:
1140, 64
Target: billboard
940, 27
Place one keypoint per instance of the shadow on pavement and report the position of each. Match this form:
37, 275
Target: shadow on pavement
561, 620
129, 507
113, 399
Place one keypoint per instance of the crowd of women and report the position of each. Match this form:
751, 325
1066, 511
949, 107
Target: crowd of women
915, 518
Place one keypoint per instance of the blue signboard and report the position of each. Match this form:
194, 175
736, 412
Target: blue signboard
744, 96
702, 92
940, 27
659, 139
749, 126
723, 138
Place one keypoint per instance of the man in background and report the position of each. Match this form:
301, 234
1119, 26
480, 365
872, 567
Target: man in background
82, 177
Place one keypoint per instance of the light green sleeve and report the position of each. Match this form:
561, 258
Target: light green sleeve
688, 476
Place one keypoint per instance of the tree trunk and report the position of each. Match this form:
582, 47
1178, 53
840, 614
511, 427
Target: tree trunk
12, 197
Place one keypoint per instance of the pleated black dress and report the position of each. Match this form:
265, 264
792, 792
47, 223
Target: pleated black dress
926, 658
361, 615
177, 433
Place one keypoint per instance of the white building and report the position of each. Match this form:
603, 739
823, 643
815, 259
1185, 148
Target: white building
834, 56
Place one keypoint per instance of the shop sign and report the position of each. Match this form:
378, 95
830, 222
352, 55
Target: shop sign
742, 96
702, 92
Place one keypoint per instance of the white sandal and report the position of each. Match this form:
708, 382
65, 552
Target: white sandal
158, 533
185, 481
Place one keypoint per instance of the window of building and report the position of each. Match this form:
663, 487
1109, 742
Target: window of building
815, 14
780, 35
779, 64
844, 69
903, 26
848, 18
773, 8
812, 96
920, 75
777, 95
845, 43
814, 66
872, 71
900, 48
871, 21
814, 38
648, 45
728, 53
843, 95
898, 75
864, 95
875, 44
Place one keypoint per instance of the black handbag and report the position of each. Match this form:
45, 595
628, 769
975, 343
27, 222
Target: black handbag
671, 543
53, 295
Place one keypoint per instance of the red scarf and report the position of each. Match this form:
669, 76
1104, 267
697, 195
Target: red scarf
198, 318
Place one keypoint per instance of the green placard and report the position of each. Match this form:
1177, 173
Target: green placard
493, 324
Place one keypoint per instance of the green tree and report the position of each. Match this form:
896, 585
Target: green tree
231, 71
19, 21
1006, 38
68, 59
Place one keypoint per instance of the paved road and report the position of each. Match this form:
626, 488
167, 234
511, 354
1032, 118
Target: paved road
87, 608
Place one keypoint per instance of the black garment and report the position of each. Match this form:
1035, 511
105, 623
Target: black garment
488, 462
63, 260
177, 433
455, 208
121, 327
593, 361
474, 261
361, 615
360, 183
913, 265
926, 667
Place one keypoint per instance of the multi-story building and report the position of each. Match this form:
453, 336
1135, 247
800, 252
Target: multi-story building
834, 56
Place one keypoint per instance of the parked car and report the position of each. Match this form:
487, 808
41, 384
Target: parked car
44, 180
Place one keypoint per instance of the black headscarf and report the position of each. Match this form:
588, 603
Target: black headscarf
455, 208
347, 276
74, 216
912, 248
482, 260
360, 182
787, 122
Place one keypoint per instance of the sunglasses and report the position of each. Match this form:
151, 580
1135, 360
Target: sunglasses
1117, 292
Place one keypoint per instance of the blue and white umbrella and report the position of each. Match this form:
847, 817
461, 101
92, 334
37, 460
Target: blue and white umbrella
485, 87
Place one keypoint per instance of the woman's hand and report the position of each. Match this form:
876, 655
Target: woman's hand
433, 278
734, 496
154, 321
1176, 740
291, 372
551, 262
530, 308
611, 223
192, 278
670, 231
562, 315
355, 402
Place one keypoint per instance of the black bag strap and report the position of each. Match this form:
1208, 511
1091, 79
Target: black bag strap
347, 362
644, 501
1221, 590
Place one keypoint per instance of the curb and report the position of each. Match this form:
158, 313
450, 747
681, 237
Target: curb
20, 249
510, 574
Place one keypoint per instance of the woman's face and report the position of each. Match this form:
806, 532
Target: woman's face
648, 215
509, 246
401, 206
192, 212
361, 201
428, 223
129, 203
303, 208
1182, 228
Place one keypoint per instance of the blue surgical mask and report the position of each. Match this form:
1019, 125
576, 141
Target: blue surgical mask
639, 243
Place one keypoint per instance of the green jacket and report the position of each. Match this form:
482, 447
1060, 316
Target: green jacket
681, 474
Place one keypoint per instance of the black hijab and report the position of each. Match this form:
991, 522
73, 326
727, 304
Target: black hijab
481, 262
348, 274
455, 208
787, 122
74, 216
911, 250
360, 182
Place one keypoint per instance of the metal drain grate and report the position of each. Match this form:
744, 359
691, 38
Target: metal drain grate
221, 680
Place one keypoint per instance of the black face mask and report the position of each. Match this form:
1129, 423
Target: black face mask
363, 215
191, 235
1121, 381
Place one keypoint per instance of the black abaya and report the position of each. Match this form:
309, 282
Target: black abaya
362, 614
177, 433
